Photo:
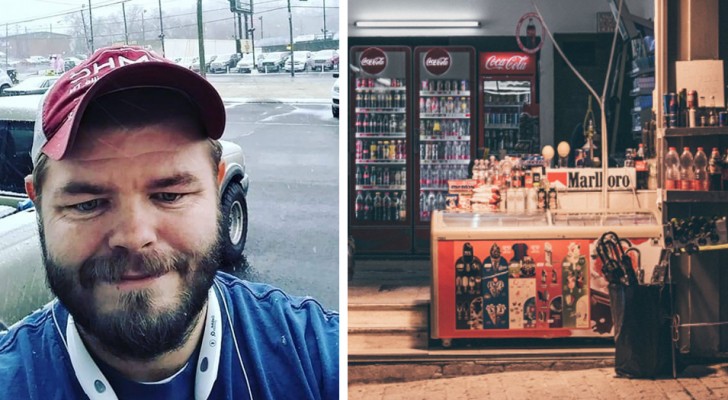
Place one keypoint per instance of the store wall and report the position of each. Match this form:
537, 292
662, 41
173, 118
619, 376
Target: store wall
497, 18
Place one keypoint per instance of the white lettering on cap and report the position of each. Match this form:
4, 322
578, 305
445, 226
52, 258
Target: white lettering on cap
91, 71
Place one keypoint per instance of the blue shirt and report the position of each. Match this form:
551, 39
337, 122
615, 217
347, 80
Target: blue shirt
289, 347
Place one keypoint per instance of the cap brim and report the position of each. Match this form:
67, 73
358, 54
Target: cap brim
201, 94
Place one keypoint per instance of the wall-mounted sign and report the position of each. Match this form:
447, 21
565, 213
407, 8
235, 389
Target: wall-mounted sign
373, 61
533, 42
507, 63
585, 179
437, 61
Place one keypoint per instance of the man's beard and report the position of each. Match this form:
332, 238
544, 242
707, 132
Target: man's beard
135, 330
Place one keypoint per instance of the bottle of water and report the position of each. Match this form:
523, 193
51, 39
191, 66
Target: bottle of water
701, 172
672, 174
687, 174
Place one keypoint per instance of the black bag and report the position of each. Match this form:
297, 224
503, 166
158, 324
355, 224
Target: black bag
642, 330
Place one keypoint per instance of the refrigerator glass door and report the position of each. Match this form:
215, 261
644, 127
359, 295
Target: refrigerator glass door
443, 105
503, 106
380, 134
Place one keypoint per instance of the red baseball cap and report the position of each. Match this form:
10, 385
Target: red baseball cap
112, 69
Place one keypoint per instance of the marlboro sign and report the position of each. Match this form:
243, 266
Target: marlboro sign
586, 179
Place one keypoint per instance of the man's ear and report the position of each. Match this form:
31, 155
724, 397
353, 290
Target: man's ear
220, 172
30, 188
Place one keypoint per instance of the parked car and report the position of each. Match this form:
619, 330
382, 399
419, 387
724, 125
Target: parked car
186, 62
22, 276
299, 62
319, 60
335, 97
245, 65
333, 62
196, 64
223, 63
5, 81
271, 62
36, 60
31, 85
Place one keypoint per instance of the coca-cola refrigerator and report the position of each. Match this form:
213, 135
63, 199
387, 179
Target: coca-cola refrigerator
380, 217
509, 109
444, 140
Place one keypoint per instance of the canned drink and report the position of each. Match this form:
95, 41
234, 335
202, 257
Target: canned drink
693, 99
671, 121
723, 118
670, 104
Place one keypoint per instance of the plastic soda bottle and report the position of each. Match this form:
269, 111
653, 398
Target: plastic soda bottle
701, 173
672, 174
687, 174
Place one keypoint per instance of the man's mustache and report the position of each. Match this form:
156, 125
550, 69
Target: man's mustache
111, 268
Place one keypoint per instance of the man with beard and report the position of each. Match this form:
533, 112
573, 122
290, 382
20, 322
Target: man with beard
125, 183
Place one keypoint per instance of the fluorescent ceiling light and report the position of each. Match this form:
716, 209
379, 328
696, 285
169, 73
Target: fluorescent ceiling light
417, 24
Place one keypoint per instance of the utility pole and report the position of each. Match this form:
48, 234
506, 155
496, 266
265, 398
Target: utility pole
240, 33
161, 27
235, 35
126, 30
200, 38
91, 26
85, 34
144, 38
290, 31
261, 26
325, 20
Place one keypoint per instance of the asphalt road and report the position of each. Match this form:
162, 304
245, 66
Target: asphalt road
291, 154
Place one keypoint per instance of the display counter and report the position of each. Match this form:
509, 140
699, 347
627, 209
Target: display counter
498, 275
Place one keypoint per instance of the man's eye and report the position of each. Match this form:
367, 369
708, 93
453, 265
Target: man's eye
168, 197
87, 206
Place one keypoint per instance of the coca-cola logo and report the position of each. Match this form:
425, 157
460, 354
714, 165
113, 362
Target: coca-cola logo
373, 61
512, 63
437, 61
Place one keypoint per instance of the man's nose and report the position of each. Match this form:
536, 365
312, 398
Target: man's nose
134, 227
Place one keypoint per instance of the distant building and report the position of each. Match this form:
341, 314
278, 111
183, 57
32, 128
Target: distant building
29, 44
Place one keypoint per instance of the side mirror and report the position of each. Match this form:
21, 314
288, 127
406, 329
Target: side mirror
336, 74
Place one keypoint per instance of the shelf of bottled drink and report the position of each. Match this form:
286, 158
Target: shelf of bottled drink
380, 110
503, 106
381, 187
501, 126
699, 131
368, 135
445, 162
444, 139
380, 89
692, 196
443, 93
444, 115
381, 162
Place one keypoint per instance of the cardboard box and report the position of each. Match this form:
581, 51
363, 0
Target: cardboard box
705, 76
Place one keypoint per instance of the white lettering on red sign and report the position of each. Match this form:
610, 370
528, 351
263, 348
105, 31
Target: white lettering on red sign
376, 61
513, 63
438, 62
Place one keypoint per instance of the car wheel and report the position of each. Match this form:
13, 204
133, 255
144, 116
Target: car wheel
3, 87
335, 111
235, 217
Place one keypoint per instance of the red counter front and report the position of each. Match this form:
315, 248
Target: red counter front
505, 276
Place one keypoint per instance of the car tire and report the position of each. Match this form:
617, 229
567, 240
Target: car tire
235, 220
335, 111
3, 87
